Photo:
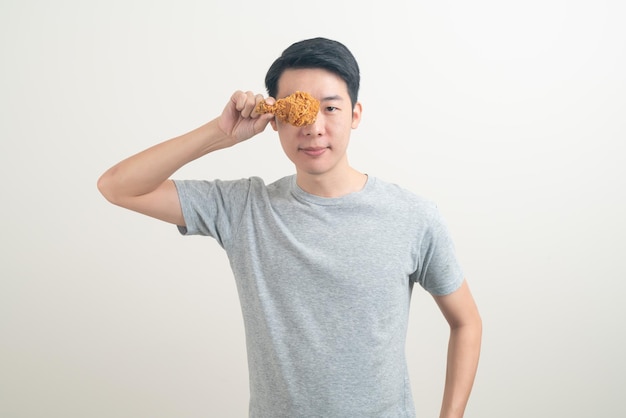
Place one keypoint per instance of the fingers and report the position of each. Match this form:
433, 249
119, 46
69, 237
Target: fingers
239, 120
246, 102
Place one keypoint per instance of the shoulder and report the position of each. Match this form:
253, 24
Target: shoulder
244, 188
220, 184
398, 195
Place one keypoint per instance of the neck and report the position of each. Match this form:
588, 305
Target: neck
327, 185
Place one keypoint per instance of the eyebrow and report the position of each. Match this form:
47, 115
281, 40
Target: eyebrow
331, 98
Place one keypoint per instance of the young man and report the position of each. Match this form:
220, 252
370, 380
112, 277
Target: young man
325, 260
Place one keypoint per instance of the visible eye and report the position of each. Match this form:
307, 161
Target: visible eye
331, 108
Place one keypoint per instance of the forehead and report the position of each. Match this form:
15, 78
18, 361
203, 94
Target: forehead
316, 81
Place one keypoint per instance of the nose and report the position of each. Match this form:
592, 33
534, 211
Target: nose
316, 128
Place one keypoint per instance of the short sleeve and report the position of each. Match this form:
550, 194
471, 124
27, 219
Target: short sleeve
439, 271
212, 208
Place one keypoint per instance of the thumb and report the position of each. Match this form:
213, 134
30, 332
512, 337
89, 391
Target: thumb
262, 121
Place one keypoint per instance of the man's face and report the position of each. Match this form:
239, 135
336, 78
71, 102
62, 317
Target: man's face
318, 149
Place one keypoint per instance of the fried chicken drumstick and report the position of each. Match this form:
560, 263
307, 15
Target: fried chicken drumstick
298, 109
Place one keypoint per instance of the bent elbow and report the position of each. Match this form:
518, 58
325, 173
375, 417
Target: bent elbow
106, 188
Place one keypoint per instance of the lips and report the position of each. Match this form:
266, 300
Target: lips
314, 151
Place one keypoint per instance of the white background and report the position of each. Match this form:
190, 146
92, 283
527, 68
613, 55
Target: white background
510, 115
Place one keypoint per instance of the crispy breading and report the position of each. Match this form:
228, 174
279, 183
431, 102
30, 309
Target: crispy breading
298, 109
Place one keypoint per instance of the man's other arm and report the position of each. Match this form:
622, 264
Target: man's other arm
461, 313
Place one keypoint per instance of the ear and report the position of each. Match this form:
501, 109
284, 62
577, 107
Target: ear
356, 115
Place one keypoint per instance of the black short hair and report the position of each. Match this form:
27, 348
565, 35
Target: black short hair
321, 53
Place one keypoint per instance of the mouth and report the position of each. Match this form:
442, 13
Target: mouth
314, 151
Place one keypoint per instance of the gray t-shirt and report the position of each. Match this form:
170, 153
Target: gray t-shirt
325, 286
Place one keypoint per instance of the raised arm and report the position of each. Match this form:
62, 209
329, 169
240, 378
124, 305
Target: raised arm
141, 182
462, 315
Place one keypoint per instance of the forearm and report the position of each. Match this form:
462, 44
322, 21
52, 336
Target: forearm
143, 172
463, 355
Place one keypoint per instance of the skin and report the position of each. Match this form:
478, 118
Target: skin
461, 313
319, 153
